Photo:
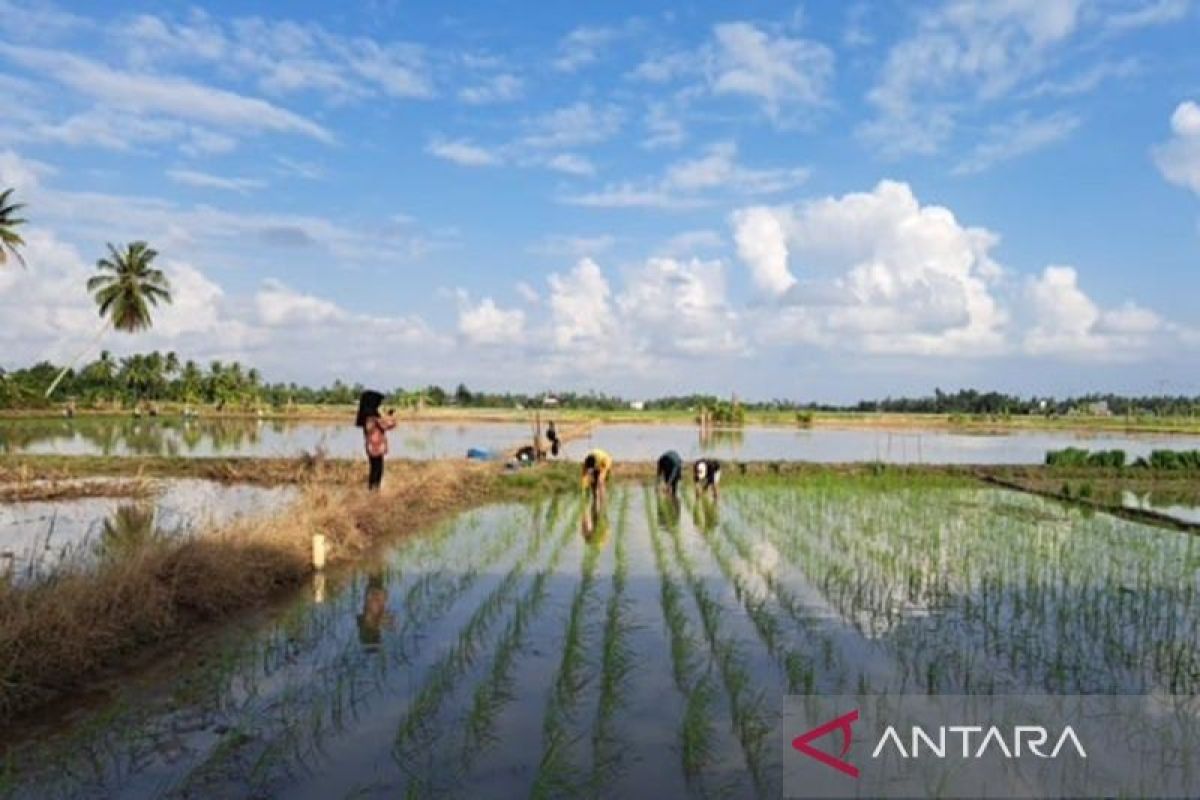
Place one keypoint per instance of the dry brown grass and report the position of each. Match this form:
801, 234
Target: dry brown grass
31, 490
62, 632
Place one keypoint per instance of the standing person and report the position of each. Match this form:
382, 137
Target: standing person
596, 466
670, 471
707, 473
375, 430
552, 436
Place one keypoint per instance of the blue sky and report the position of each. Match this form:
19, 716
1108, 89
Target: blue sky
816, 200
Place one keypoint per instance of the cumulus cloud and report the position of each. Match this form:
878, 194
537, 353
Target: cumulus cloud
485, 323
279, 305
881, 272
1066, 322
680, 308
1178, 159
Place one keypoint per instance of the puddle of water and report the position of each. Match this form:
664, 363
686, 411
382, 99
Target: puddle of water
522, 649
279, 438
39, 535
1147, 501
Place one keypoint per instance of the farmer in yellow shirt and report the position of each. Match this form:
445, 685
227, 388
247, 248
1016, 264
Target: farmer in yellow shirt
596, 467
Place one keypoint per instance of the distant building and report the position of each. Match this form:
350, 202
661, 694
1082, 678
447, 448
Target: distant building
550, 401
1099, 409
637, 405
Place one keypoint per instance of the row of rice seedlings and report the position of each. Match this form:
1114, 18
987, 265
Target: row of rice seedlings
747, 705
493, 692
557, 772
617, 663
299, 718
1066, 599
697, 732
758, 590
417, 730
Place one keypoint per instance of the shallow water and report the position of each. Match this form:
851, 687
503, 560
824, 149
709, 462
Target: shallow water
41, 534
279, 438
1187, 512
519, 650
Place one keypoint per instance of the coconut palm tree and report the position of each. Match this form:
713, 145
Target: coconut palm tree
10, 240
128, 285
125, 289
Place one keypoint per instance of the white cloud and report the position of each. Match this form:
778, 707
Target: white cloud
573, 246
278, 305
580, 308
578, 124
762, 246
961, 53
485, 323
679, 308
1178, 159
502, 88
571, 164
1088, 79
1017, 137
880, 272
779, 71
204, 180
1067, 323
282, 56
1158, 12
583, 46
663, 128
689, 242
175, 97
718, 167
689, 182
463, 153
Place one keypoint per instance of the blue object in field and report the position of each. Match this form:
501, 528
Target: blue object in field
479, 454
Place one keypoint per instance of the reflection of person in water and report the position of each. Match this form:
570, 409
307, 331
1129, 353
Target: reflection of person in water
593, 524
706, 513
375, 615
667, 509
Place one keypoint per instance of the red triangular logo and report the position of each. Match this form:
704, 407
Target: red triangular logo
842, 723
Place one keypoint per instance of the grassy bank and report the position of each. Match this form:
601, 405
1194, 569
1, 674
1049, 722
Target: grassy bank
62, 632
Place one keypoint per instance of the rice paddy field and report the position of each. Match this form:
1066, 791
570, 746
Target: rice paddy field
537, 650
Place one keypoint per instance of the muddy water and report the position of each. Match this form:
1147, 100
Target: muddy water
39, 535
276, 438
529, 649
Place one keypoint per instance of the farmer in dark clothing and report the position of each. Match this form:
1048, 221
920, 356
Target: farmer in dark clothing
707, 473
375, 428
552, 435
670, 471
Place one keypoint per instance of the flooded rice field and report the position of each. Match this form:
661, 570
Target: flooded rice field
533, 650
154, 436
37, 536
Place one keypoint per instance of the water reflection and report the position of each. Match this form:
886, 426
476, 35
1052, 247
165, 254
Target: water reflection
130, 528
375, 615
117, 436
